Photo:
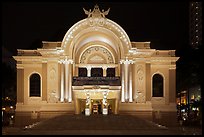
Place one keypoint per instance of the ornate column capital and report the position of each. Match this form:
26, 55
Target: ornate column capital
126, 61
61, 61
88, 67
68, 61
104, 67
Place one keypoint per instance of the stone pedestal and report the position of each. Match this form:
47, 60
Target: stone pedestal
105, 111
87, 112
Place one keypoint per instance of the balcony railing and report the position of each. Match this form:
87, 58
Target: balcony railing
80, 81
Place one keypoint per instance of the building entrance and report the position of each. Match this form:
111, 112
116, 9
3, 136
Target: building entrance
97, 106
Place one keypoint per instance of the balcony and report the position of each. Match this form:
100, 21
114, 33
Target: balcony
111, 81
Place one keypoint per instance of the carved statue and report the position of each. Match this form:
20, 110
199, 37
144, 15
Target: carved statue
96, 12
105, 12
89, 13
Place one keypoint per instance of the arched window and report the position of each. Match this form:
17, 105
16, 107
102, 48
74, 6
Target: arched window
157, 85
35, 85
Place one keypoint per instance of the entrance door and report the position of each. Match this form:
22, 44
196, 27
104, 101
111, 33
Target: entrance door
96, 106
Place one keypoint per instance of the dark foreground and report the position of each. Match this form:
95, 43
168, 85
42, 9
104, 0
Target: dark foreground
68, 124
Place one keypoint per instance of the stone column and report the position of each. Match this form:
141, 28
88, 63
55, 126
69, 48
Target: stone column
134, 82
130, 83
116, 106
20, 84
127, 79
70, 80
88, 71
104, 71
44, 81
62, 81
148, 81
122, 83
172, 84
126, 64
66, 80
77, 107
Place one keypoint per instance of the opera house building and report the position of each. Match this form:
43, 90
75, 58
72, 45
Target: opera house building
96, 69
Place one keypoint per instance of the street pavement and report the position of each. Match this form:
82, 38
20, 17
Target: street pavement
70, 124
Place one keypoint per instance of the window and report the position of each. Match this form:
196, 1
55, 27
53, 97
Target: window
82, 72
35, 85
157, 85
96, 72
110, 72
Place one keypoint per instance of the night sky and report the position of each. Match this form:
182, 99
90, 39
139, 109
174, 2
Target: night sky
26, 24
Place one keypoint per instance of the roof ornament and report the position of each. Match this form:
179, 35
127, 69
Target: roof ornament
96, 12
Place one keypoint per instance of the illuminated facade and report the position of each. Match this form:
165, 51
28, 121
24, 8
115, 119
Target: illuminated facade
96, 66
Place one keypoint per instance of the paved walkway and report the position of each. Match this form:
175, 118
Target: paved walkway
97, 125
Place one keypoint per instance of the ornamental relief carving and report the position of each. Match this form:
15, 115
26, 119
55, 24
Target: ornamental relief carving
53, 74
52, 97
140, 77
96, 50
52, 84
140, 95
96, 21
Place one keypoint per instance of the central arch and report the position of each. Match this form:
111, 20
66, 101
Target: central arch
96, 44
82, 33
